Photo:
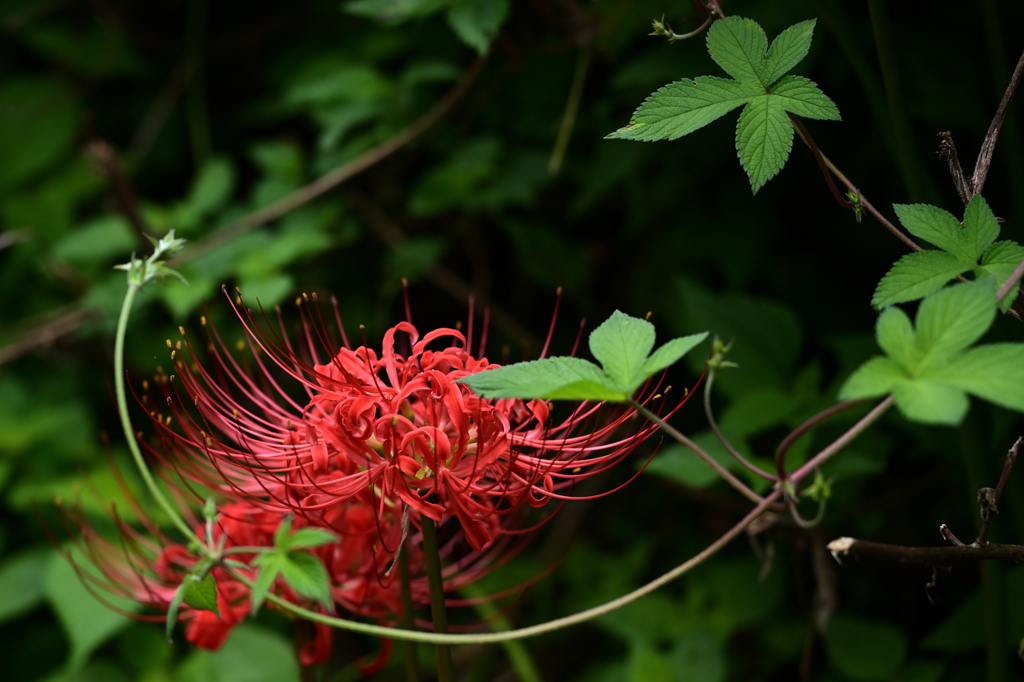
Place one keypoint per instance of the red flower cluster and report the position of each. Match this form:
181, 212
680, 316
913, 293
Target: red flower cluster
377, 443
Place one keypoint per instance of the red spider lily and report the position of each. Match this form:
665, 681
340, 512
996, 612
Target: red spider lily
393, 429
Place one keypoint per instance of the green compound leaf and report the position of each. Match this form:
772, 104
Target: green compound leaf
305, 574
787, 50
269, 565
926, 367
802, 97
623, 345
920, 274
764, 135
938, 227
917, 275
682, 107
764, 138
200, 593
549, 379
739, 46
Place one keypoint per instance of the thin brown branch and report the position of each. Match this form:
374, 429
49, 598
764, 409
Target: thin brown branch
809, 141
845, 548
56, 324
947, 152
988, 498
125, 201
981, 166
345, 172
780, 453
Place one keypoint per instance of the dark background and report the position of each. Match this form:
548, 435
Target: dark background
213, 110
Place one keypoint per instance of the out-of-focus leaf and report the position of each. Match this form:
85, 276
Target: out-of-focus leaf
98, 241
21, 582
394, 11
698, 655
863, 649
37, 123
647, 664
476, 22
87, 622
251, 654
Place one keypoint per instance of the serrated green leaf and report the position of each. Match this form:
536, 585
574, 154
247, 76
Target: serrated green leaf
877, 377
305, 574
764, 138
621, 344
999, 261
930, 402
311, 537
994, 372
787, 50
548, 379
682, 107
895, 336
269, 565
802, 97
938, 227
915, 276
739, 46
670, 353
980, 226
476, 22
201, 593
953, 319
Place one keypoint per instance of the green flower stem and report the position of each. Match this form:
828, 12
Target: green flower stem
412, 672
518, 655
437, 610
708, 459
721, 436
596, 611
126, 424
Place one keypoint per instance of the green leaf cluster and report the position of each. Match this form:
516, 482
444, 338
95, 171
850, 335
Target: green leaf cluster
764, 134
288, 559
920, 274
475, 22
622, 344
928, 367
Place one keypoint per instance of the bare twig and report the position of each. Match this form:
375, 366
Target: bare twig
709, 413
981, 166
947, 152
54, 326
923, 556
988, 498
948, 536
105, 158
780, 454
809, 141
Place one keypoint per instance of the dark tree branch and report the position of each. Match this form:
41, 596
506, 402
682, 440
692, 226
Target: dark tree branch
922, 556
981, 166
125, 201
988, 498
947, 152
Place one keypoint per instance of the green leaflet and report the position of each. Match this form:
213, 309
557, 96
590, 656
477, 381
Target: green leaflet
621, 343
927, 367
200, 593
764, 134
920, 274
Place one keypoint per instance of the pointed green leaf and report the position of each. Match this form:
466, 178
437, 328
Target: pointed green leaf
682, 107
930, 402
802, 97
787, 50
738, 45
311, 537
476, 22
953, 319
283, 532
549, 379
999, 261
980, 226
764, 138
877, 377
201, 593
669, 353
917, 275
896, 337
621, 344
269, 565
305, 573
937, 226
994, 372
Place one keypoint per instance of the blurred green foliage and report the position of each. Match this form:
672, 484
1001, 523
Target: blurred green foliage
120, 117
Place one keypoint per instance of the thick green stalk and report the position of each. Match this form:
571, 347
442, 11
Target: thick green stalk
432, 556
126, 424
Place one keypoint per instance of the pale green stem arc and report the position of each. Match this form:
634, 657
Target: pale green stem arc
597, 611
126, 424
699, 451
